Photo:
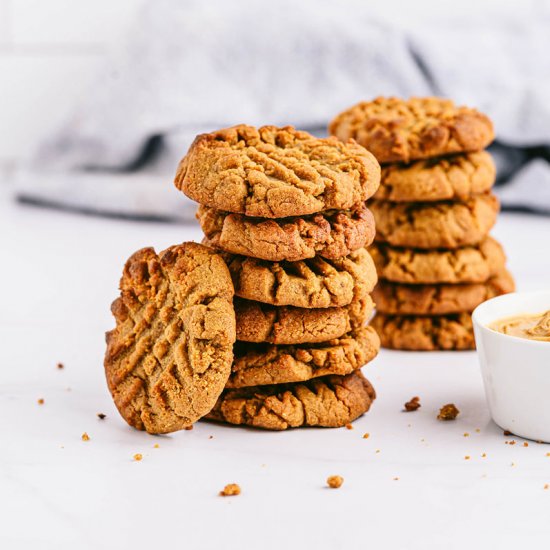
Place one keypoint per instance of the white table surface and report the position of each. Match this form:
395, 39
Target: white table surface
59, 273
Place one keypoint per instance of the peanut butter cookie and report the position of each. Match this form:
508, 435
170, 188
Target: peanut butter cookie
260, 364
471, 264
276, 172
446, 332
331, 234
397, 130
313, 283
329, 402
257, 322
405, 299
170, 355
457, 177
435, 225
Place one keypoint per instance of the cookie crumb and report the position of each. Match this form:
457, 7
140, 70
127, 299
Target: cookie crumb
210, 437
478, 430
41, 401
138, 457
377, 451
467, 457
156, 446
85, 437
506, 433
448, 412
366, 435
513, 464
546, 486
511, 442
230, 490
525, 444
60, 366
466, 434
413, 404
335, 482
396, 479
101, 416
483, 455
547, 454
188, 428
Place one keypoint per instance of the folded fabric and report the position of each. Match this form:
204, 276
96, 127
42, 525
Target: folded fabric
193, 66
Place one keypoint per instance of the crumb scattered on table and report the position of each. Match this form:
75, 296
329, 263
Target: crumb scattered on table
466, 434
478, 430
60, 366
156, 446
525, 444
349, 426
506, 433
366, 435
413, 404
335, 482
138, 457
210, 437
101, 416
41, 401
510, 442
230, 490
546, 486
483, 455
396, 479
467, 457
85, 437
448, 412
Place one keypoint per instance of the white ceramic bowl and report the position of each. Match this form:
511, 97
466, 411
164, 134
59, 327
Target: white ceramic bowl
516, 371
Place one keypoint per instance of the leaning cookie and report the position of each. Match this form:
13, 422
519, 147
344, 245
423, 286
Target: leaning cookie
407, 299
260, 364
274, 172
456, 177
397, 130
447, 332
471, 264
313, 283
332, 234
170, 354
329, 402
257, 322
435, 225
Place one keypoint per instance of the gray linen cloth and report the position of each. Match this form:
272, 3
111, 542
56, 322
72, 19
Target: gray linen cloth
192, 66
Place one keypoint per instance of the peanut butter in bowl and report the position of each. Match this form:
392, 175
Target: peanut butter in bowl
529, 326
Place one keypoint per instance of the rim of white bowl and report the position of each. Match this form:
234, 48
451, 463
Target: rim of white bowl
503, 298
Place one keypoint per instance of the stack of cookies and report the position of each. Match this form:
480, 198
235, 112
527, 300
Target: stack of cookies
433, 213
287, 213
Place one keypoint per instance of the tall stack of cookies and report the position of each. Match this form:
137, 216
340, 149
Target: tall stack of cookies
287, 213
433, 213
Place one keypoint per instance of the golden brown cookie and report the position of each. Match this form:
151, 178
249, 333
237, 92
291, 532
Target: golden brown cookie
405, 299
170, 354
435, 225
260, 364
456, 177
446, 332
276, 172
398, 130
332, 234
316, 282
257, 322
330, 402
471, 264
